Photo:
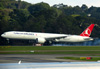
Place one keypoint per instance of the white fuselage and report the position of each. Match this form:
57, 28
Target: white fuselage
45, 36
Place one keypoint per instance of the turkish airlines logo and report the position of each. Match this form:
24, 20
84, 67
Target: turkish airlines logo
87, 32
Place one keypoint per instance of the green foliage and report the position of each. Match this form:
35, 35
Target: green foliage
33, 9
84, 7
13, 4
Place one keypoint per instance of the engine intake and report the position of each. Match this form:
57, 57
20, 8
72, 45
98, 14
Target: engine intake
40, 40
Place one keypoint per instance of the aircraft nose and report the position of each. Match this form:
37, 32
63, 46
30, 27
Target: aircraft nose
2, 35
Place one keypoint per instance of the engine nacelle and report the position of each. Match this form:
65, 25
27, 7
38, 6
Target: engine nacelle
40, 40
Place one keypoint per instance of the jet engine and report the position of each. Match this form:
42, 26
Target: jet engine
40, 40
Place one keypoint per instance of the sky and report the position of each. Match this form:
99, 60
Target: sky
89, 3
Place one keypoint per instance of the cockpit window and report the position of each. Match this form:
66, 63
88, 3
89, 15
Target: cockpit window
4, 34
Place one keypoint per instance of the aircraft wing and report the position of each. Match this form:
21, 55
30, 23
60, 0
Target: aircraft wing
53, 38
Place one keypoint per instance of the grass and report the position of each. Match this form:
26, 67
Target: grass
77, 50
12, 48
79, 58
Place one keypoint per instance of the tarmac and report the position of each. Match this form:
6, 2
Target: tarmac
31, 58
37, 61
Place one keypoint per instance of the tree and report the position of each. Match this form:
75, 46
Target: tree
84, 7
18, 19
38, 7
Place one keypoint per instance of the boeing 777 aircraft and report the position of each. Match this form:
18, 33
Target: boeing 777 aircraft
43, 37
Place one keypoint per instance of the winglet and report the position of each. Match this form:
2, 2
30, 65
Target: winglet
87, 32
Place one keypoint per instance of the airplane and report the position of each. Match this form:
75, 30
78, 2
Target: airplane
43, 37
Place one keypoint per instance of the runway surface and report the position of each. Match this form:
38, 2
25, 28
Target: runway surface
30, 58
52, 65
30, 61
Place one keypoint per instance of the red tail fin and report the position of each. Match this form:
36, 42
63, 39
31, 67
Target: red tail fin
87, 31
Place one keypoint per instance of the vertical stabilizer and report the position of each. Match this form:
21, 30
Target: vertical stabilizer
87, 31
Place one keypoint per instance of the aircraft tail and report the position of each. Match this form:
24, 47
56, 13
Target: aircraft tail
87, 32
